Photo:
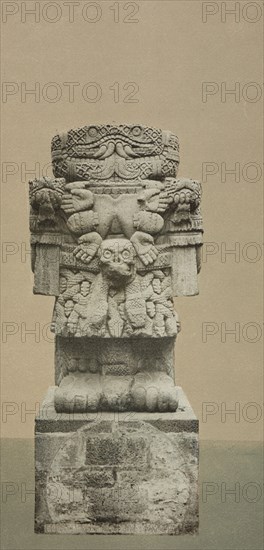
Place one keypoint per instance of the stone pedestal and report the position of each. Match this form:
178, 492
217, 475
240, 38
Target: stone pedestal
115, 236
116, 473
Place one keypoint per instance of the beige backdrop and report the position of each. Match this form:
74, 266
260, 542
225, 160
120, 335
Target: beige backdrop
169, 53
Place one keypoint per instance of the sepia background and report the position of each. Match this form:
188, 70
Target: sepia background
180, 59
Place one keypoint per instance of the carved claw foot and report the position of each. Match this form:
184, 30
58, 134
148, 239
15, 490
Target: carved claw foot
144, 246
78, 393
154, 391
88, 246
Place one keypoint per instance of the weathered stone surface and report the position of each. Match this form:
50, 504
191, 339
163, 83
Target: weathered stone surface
50, 421
117, 475
115, 235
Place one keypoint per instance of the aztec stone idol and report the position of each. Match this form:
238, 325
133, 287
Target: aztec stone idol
115, 237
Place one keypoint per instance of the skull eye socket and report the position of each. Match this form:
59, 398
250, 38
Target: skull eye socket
125, 254
107, 254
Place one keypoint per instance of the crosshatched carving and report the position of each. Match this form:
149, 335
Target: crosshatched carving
115, 235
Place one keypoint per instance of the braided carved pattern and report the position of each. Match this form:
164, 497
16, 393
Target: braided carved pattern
118, 152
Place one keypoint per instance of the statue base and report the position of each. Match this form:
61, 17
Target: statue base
116, 473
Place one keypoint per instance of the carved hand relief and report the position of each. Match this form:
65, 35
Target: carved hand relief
115, 235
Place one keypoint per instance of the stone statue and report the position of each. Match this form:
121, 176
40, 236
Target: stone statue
115, 236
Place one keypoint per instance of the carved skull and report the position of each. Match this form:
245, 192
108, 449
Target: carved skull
117, 259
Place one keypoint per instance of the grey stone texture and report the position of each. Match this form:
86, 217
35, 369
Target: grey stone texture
116, 473
115, 236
